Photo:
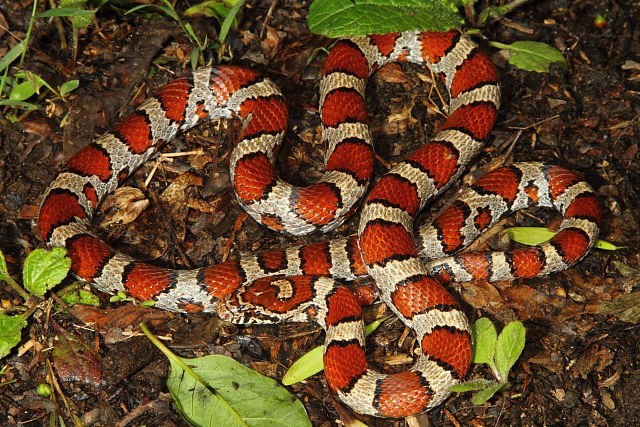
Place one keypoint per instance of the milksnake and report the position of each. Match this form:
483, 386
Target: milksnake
299, 283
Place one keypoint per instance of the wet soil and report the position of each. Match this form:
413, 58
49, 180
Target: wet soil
579, 367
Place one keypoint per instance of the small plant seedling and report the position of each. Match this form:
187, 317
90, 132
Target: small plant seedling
121, 296
44, 390
499, 352
600, 20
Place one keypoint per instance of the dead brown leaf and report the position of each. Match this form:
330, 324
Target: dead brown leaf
392, 73
124, 206
76, 360
114, 323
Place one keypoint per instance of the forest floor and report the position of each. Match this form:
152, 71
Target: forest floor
579, 367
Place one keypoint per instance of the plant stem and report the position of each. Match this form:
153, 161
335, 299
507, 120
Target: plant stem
28, 36
178, 361
16, 286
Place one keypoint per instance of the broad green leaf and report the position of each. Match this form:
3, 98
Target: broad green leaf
472, 385
24, 90
509, 346
625, 307
532, 56
530, 235
235, 395
10, 332
336, 18
311, 362
69, 86
484, 336
45, 269
32, 79
483, 395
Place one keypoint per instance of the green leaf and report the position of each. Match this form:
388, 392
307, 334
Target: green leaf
69, 86
210, 9
4, 271
336, 18
66, 12
44, 390
607, 246
229, 19
75, 10
45, 269
81, 296
213, 9
31, 85
311, 362
509, 346
10, 332
24, 105
484, 336
12, 55
78, 21
530, 235
483, 395
24, 90
216, 390
195, 56
306, 366
532, 56
235, 395
536, 235
495, 11
472, 385
625, 307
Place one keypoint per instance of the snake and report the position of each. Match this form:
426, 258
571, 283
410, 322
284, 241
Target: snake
304, 282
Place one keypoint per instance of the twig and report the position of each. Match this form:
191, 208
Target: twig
172, 235
535, 124
16, 286
267, 18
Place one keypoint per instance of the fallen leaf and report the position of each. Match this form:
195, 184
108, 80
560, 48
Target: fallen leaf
76, 360
114, 323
